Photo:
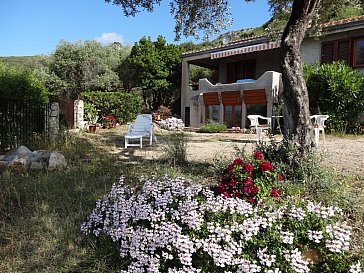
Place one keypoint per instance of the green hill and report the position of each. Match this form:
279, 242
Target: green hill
25, 62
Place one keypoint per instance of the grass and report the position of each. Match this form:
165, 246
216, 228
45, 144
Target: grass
41, 212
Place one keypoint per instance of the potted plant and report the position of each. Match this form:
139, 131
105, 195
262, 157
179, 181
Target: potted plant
92, 116
108, 121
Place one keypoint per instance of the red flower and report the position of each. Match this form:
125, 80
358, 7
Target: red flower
230, 167
274, 193
258, 155
221, 188
225, 194
232, 182
255, 190
247, 168
237, 194
247, 190
280, 177
265, 166
238, 161
251, 200
248, 181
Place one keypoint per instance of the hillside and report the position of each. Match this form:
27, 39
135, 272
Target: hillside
25, 62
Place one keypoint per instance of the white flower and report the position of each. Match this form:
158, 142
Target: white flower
314, 235
287, 237
355, 268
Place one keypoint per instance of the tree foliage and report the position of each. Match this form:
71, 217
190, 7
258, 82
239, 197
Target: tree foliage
19, 84
190, 16
157, 70
84, 66
337, 90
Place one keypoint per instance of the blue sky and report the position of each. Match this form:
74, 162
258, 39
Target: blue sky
31, 27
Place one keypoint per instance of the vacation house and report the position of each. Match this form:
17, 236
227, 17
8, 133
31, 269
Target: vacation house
247, 71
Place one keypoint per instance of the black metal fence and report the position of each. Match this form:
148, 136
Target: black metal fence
21, 122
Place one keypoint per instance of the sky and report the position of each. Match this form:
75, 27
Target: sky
33, 27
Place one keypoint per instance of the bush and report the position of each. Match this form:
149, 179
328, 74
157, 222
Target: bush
250, 179
212, 128
124, 106
336, 90
176, 226
17, 84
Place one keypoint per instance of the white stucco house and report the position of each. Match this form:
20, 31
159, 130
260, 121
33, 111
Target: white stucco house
248, 79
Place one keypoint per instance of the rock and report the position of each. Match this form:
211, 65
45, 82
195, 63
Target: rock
22, 159
56, 160
21, 152
34, 165
41, 156
19, 158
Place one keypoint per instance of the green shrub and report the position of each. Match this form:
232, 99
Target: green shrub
212, 128
124, 106
17, 84
337, 90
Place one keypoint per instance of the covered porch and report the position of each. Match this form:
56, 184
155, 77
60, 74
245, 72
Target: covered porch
245, 83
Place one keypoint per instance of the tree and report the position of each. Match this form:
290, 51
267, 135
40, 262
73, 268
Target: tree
157, 68
22, 85
84, 66
212, 16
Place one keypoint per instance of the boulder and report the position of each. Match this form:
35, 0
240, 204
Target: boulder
21, 156
23, 159
56, 160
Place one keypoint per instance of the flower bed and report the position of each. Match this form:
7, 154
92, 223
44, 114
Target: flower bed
172, 225
250, 179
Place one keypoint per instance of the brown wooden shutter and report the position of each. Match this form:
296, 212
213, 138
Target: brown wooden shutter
231, 98
256, 96
327, 52
343, 50
211, 98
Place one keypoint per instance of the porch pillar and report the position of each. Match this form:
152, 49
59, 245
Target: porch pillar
243, 114
243, 110
185, 82
221, 113
202, 111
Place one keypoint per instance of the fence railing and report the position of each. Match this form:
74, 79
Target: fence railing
21, 122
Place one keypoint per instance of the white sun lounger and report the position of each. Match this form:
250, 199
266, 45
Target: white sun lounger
142, 127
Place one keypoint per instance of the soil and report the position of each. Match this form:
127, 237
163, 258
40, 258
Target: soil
342, 154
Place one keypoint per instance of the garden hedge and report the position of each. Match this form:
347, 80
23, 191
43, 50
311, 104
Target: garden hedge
124, 106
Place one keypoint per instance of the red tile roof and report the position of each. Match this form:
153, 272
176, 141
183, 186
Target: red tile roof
343, 21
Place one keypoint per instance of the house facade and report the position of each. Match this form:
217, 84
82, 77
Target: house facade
247, 71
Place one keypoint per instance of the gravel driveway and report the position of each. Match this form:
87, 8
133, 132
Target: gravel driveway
344, 154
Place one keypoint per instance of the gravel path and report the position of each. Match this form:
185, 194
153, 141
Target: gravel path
344, 154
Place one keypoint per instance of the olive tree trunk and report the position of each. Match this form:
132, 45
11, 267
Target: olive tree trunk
296, 111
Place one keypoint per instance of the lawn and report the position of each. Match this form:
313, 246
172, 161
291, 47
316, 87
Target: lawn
41, 212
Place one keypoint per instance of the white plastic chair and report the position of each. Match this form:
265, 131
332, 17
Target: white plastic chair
257, 127
319, 126
142, 127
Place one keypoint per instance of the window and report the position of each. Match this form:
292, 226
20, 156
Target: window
232, 115
213, 114
335, 50
358, 56
240, 70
